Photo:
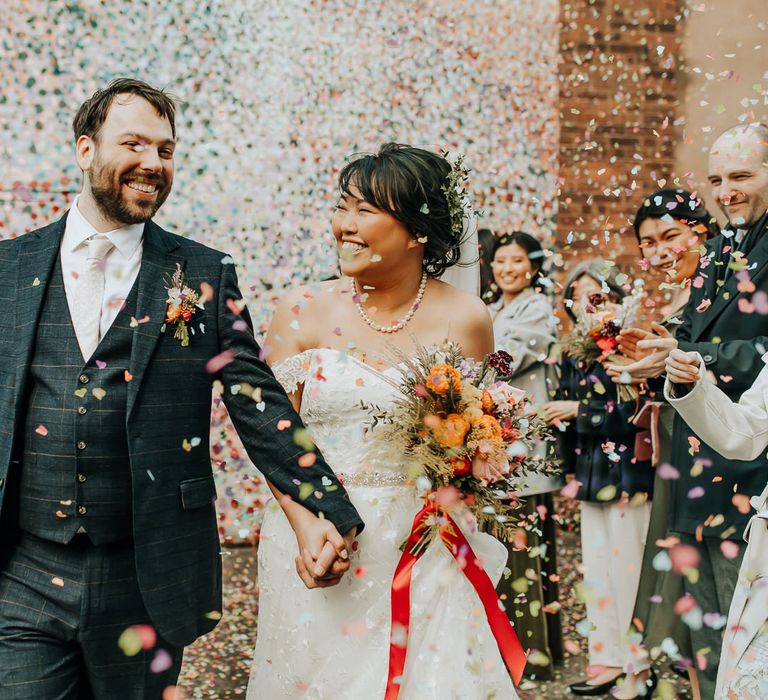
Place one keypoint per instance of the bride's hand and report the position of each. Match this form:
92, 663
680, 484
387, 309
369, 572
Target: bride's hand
323, 553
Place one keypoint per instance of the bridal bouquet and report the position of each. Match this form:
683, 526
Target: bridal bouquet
463, 431
595, 335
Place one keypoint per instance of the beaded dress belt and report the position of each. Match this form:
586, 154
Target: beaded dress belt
373, 478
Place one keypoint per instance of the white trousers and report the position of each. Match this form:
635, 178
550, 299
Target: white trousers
612, 543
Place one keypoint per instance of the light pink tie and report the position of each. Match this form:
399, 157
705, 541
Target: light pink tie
89, 296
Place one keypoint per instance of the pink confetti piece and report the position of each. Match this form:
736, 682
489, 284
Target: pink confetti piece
684, 557
161, 662
668, 472
570, 489
218, 362
729, 549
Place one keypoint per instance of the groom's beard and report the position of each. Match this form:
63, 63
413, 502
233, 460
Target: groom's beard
107, 190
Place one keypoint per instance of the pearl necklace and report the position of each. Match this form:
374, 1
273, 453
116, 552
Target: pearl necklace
403, 322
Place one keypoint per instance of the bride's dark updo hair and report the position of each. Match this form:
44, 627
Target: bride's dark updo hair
406, 182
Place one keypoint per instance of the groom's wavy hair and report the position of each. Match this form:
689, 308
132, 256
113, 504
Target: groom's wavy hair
407, 182
93, 112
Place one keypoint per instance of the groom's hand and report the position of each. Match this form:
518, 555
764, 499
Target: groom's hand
323, 553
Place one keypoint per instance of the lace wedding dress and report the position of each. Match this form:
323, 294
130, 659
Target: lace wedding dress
333, 643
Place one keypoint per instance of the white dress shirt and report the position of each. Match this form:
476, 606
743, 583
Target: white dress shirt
121, 265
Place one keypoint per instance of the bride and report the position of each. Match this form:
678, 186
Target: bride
397, 233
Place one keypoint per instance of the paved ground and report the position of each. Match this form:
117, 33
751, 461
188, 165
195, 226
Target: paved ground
216, 667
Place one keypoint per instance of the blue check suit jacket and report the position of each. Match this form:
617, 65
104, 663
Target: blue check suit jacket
169, 401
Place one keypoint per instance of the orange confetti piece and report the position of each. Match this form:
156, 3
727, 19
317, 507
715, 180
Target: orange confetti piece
206, 292
741, 502
308, 459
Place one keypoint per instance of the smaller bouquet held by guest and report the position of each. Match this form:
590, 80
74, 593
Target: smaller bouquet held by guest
464, 431
595, 335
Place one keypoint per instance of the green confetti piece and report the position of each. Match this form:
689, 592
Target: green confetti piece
520, 585
129, 642
607, 493
303, 439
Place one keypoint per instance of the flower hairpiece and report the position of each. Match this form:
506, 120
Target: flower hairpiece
455, 191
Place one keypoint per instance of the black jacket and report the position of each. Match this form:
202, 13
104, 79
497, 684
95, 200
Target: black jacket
731, 340
605, 471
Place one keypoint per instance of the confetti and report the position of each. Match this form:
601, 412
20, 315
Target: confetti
218, 362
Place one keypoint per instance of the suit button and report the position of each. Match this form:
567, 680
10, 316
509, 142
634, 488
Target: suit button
82, 510
708, 358
82, 478
80, 445
82, 410
84, 379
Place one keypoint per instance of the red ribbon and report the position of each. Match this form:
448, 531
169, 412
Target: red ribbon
453, 538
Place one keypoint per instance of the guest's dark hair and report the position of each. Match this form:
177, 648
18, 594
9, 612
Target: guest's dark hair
602, 272
93, 112
680, 205
530, 245
486, 245
406, 182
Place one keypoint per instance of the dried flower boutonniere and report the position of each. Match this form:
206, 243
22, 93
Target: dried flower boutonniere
183, 302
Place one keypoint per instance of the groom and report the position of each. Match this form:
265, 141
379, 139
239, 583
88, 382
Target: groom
109, 554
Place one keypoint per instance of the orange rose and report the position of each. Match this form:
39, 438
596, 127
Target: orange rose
487, 402
452, 431
444, 378
486, 428
173, 313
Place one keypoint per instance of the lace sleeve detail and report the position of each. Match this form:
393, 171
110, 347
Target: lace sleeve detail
292, 371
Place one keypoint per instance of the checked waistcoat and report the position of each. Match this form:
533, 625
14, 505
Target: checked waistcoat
75, 466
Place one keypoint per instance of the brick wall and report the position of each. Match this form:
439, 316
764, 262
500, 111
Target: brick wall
620, 89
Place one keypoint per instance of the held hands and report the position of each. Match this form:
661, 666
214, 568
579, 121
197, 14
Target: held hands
323, 553
648, 350
637, 343
683, 367
556, 411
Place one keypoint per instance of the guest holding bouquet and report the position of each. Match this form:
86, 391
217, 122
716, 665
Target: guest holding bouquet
613, 485
525, 326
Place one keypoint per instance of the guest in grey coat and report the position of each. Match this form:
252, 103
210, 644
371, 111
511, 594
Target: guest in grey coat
525, 326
